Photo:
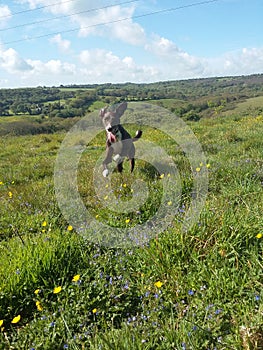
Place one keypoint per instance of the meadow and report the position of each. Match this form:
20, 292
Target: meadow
195, 289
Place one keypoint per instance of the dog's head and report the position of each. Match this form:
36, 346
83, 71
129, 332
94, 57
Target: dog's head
111, 119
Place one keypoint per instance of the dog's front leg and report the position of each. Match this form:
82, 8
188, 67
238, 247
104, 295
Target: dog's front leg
132, 163
107, 160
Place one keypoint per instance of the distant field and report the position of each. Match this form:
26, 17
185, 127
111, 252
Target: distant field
248, 106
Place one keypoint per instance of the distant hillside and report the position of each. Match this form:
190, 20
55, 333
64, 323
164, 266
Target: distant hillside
190, 99
184, 89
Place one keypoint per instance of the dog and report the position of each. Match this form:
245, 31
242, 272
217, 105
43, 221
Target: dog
119, 143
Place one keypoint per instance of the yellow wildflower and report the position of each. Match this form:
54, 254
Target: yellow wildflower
208, 165
259, 235
44, 223
124, 185
94, 311
97, 216
162, 176
39, 306
57, 290
76, 278
198, 169
37, 291
16, 319
70, 228
1, 183
10, 194
158, 284
170, 203
1, 323
127, 221
105, 198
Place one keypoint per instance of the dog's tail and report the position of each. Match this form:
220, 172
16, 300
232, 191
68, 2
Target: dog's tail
137, 136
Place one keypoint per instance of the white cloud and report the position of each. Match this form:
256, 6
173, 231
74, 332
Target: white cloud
174, 61
94, 17
12, 62
63, 44
128, 32
51, 67
5, 15
241, 62
162, 47
109, 22
101, 65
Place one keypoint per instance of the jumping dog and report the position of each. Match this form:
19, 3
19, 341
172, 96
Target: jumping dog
119, 143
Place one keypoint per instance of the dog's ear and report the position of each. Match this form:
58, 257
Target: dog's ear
121, 109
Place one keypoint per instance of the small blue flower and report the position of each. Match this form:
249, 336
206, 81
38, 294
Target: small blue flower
209, 306
257, 297
65, 346
126, 286
218, 311
191, 292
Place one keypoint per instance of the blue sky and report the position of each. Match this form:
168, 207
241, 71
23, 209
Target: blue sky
51, 42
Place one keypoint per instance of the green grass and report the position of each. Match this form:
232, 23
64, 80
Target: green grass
210, 295
250, 107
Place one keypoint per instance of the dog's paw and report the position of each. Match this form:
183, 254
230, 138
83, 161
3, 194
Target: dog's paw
105, 172
117, 158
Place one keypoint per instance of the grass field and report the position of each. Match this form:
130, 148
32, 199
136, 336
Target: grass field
250, 105
200, 289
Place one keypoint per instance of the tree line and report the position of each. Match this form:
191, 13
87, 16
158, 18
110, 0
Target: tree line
191, 96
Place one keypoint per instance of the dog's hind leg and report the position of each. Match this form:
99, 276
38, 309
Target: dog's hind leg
131, 157
132, 163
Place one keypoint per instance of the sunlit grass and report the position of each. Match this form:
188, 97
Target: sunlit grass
200, 289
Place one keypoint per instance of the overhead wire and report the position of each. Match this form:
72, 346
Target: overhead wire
36, 8
65, 16
172, 9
